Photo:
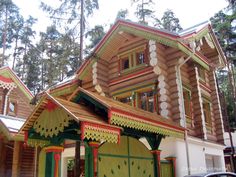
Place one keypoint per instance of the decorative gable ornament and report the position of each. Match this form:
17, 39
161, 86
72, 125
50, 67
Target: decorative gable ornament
7, 83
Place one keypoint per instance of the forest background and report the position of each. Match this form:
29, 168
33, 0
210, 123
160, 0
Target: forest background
43, 58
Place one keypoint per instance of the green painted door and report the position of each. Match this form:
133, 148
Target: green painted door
130, 158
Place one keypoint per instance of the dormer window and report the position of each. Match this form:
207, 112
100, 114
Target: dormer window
12, 108
133, 59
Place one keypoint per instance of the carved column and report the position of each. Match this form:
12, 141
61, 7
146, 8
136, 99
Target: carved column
53, 158
157, 162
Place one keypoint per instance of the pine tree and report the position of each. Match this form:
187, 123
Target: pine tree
9, 14
224, 27
122, 14
95, 36
143, 10
170, 22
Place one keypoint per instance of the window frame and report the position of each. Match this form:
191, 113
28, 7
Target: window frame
207, 111
188, 101
201, 73
132, 56
15, 103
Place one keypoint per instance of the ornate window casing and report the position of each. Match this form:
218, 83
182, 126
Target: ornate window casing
133, 59
146, 101
187, 102
202, 73
12, 108
144, 98
206, 105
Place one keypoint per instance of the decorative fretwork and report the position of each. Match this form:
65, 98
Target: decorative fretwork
37, 143
100, 133
124, 121
51, 122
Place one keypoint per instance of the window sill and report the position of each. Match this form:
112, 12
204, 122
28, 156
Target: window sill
129, 70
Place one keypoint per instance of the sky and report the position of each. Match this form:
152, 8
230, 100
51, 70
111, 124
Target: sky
189, 12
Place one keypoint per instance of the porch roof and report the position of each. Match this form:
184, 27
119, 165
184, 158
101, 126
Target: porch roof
52, 116
10, 126
128, 116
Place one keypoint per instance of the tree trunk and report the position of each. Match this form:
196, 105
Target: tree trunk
4, 38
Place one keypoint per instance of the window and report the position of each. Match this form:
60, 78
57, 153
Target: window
140, 58
207, 111
202, 73
127, 100
187, 102
146, 101
12, 108
125, 63
132, 59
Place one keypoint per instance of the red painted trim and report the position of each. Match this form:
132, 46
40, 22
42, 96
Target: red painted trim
82, 130
146, 119
15, 76
83, 66
147, 29
131, 76
4, 79
109, 116
26, 135
205, 87
56, 168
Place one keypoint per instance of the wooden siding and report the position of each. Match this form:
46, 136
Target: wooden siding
26, 162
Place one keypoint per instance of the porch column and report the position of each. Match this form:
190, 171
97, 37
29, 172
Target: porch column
91, 155
157, 162
16, 158
53, 159
173, 161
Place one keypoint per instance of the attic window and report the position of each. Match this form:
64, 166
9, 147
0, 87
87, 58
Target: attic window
133, 59
12, 108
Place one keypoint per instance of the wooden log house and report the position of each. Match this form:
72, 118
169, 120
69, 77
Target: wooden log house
16, 160
143, 97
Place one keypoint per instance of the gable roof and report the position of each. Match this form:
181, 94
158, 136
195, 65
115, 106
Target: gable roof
177, 40
9, 76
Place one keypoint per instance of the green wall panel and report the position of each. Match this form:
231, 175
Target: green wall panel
130, 158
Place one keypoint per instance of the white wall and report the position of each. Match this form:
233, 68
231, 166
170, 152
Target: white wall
198, 150
227, 140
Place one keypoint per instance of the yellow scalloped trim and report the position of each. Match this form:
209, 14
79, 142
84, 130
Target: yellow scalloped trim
50, 123
124, 121
37, 143
100, 135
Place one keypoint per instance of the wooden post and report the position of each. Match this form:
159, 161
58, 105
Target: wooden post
157, 162
16, 157
77, 159
91, 155
94, 146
